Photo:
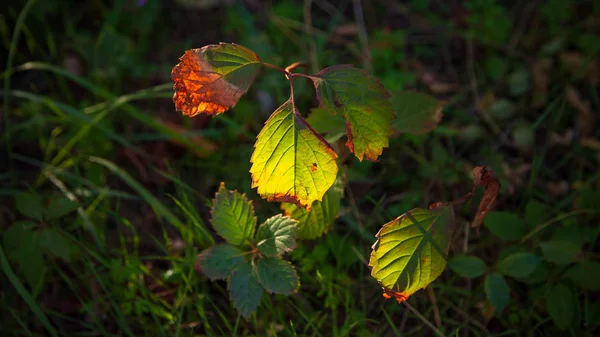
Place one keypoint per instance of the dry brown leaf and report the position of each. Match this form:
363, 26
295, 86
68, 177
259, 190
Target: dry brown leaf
483, 176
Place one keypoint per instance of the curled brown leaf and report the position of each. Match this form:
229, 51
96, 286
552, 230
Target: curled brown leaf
483, 176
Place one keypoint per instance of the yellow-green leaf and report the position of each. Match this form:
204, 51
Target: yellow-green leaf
291, 162
363, 102
320, 219
410, 251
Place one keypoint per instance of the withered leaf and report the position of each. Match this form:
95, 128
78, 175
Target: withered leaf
212, 79
483, 176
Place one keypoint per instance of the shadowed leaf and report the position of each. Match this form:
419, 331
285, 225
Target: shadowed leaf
292, 163
497, 291
518, 264
219, 261
320, 219
277, 276
277, 235
212, 79
244, 290
410, 251
416, 112
364, 103
467, 266
233, 216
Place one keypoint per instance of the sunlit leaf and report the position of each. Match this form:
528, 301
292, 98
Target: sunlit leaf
416, 112
277, 235
233, 216
364, 103
292, 163
244, 290
410, 251
320, 219
219, 261
277, 276
212, 79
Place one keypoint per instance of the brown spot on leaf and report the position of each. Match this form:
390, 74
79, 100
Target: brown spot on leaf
313, 167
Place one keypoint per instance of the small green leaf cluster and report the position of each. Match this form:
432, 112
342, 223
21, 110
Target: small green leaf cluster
251, 260
27, 241
552, 264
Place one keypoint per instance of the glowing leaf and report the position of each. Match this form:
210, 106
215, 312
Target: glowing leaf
410, 251
277, 276
277, 235
212, 79
291, 162
244, 290
233, 216
319, 220
219, 261
363, 102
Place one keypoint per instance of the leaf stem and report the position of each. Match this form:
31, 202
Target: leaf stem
422, 318
296, 65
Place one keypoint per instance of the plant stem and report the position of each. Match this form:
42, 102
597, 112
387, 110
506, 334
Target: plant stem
296, 65
422, 318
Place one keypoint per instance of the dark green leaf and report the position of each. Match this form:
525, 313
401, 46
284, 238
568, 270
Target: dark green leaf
277, 276
364, 103
219, 261
56, 243
277, 235
560, 251
497, 292
233, 216
561, 304
467, 266
30, 205
416, 112
322, 215
244, 290
60, 207
536, 213
15, 233
518, 264
585, 275
324, 122
507, 226
410, 251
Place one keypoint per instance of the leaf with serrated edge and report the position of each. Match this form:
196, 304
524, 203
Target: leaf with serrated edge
212, 79
410, 251
416, 112
291, 162
319, 220
277, 235
244, 290
219, 261
233, 216
277, 276
364, 103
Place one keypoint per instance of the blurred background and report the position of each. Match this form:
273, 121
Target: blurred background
105, 189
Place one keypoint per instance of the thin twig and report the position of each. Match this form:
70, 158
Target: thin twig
308, 27
362, 35
422, 318
436, 310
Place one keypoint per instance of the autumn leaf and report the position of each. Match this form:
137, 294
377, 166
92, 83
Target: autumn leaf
364, 103
291, 162
410, 251
483, 176
212, 79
